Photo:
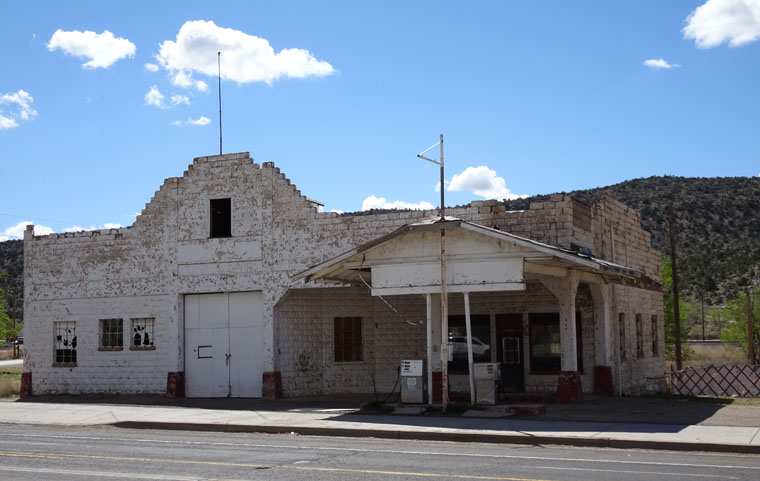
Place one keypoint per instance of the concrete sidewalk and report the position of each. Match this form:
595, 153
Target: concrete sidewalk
333, 421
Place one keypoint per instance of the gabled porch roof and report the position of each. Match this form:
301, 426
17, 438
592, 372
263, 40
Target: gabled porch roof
480, 259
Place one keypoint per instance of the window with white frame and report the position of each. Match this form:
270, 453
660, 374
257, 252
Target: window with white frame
142, 333
111, 333
65, 342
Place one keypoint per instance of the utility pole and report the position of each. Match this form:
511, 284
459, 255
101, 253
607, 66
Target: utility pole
444, 300
703, 318
16, 352
219, 78
750, 331
676, 307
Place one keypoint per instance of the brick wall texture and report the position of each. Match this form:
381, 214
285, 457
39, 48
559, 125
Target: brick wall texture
145, 270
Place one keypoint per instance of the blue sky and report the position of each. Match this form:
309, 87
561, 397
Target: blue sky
532, 97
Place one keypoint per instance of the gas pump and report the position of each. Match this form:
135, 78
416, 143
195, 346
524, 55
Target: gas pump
413, 384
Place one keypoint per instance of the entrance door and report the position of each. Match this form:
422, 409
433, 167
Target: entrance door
224, 355
509, 334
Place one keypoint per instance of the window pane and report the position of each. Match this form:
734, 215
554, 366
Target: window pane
480, 324
348, 338
545, 348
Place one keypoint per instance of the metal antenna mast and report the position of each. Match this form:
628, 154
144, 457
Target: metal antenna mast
444, 298
219, 68
437, 162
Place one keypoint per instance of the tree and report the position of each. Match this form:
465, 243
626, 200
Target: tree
735, 330
670, 325
7, 331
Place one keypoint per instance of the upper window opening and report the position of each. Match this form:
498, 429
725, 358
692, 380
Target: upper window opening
221, 218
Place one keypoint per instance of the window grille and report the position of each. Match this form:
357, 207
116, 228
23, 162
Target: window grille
65, 342
142, 332
111, 333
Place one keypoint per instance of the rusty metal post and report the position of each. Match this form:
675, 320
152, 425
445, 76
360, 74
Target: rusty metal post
750, 331
444, 300
444, 327
674, 269
444, 303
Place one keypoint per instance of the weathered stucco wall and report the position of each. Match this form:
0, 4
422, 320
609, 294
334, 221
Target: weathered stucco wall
144, 271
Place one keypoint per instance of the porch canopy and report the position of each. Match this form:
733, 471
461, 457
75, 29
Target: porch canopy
481, 259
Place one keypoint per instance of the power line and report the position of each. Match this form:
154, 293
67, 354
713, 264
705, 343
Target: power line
43, 219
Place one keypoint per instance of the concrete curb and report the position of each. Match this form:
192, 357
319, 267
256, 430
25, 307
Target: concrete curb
447, 436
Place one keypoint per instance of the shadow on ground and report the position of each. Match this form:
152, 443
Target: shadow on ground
640, 410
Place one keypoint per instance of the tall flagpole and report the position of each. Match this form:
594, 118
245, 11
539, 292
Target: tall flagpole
219, 67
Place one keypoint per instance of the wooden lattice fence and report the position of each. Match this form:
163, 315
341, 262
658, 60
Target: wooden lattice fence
741, 380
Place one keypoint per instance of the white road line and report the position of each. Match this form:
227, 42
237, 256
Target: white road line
20, 469
386, 451
656, 473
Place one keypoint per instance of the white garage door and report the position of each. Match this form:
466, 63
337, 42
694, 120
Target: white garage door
224, 344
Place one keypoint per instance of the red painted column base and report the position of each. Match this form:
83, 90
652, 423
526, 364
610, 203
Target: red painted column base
603, 381
437, 390
569, 389
271, 385
175, 384
26, 384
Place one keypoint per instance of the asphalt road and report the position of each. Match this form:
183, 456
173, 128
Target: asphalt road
63, 453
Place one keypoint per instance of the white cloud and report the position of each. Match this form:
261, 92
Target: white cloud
107, 225
736, 22
659, 63
7, 122
21, 103
186, 80
151, 67
245, 58
199, 121
154, 97
180, 99
101, 49
373, 202
17, 231
483, 182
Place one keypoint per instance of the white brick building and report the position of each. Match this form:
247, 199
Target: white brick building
202, 296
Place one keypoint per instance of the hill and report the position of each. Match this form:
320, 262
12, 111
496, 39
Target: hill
12, 265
